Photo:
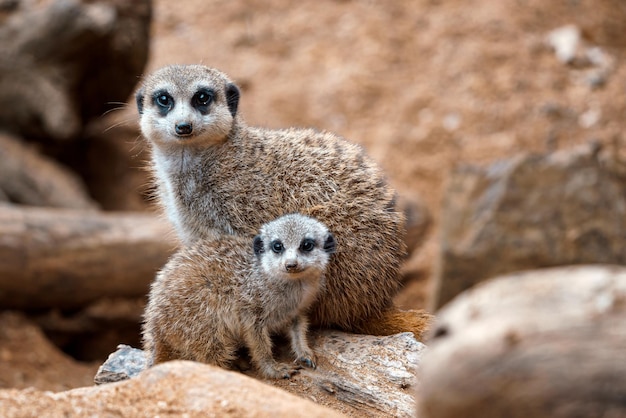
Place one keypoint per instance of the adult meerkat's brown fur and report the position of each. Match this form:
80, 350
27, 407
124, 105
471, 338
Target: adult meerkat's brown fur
217, 295
215, 174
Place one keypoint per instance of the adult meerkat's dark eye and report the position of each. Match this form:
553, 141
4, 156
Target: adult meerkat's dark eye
277, 247
307, 245
202, 98
164, 101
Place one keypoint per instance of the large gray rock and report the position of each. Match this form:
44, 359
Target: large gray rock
530, 211
544, 343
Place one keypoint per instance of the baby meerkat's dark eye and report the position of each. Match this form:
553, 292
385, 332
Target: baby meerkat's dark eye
277, 247
307, 245
202, 98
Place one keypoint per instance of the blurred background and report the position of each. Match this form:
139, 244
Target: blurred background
426, 86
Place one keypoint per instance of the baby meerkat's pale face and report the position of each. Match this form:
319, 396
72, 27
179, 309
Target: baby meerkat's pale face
187, 104
294, 247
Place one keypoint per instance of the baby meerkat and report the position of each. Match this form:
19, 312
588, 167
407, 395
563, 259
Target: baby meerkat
215, 296
216, 175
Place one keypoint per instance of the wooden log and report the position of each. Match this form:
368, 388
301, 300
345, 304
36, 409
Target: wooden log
544, 343
69, 258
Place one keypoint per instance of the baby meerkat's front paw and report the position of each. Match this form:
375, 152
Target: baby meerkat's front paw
279, 371
307, 359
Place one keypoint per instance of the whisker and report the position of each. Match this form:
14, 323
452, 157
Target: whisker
121, 106
137, 146
118, 124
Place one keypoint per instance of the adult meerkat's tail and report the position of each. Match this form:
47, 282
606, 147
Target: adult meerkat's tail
394, 321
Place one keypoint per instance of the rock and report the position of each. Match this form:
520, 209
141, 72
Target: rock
543, 343
92, 332
418, 221
177, 388
29, 178
359, 374
123, 364
530, 211
63, 65
570, 48
565, 41
80, 55
114, 161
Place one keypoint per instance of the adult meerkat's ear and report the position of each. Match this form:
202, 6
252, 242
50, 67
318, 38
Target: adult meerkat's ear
258, 245
139, 96
330, 245
232, 98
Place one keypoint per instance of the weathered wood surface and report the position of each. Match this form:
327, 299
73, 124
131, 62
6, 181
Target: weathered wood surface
68, 258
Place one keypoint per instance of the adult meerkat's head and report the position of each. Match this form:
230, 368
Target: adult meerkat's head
185, 104
294, 246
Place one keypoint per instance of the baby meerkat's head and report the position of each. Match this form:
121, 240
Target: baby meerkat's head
185, 104
294, 247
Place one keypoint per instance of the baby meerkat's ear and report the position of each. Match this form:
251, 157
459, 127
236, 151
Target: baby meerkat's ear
139, 99
258, 245
232, 98
330, 245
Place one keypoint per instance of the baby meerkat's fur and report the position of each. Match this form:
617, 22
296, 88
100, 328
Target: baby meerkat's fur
216, 175
217, 295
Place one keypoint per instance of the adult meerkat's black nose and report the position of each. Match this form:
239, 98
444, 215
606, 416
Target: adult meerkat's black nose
184, 128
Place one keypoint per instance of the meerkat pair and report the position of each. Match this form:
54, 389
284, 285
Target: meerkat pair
218, 295
217, 176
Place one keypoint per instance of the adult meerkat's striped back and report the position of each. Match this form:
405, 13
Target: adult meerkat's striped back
215, 174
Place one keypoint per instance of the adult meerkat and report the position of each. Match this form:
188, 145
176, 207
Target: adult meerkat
217, 295
215, 174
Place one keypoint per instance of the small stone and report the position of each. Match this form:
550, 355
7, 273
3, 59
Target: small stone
565, 41
123, 364
452, 122
590, 118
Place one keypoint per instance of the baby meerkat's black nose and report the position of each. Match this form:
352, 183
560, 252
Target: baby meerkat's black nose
291, 266
184, 128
